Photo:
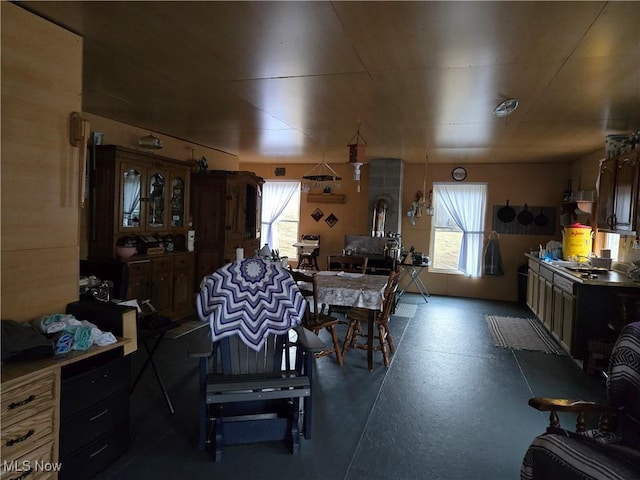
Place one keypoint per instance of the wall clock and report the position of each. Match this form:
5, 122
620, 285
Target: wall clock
459, 174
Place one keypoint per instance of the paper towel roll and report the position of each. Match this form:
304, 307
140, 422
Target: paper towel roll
239, 254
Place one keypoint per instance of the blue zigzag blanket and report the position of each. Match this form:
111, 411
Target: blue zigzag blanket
251, 298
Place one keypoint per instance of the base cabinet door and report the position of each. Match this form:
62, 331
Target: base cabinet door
564, 311
557, 313
548, 305
183, 297
139, 286
162, 284
568, 310
532, 291
541, 299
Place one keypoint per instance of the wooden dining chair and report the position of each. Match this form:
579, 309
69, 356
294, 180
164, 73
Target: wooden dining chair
315, 320
357, 316
347, 263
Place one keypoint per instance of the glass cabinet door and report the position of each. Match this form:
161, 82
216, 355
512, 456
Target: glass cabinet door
156, 200
177, 202
130, 200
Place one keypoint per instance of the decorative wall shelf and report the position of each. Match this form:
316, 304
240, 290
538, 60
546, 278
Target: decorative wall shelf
326, 198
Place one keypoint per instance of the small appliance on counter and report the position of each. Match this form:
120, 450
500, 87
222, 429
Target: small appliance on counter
576, 241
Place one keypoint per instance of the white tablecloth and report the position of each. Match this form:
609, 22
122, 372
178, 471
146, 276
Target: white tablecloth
351, 290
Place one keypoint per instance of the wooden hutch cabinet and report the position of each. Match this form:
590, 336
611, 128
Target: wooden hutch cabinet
226, 208
141, 198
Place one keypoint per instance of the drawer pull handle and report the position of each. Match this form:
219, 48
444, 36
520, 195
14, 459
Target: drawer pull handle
20, 439
29, 399
24, 475
98, 451
95, 417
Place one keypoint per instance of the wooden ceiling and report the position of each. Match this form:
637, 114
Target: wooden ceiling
288, 82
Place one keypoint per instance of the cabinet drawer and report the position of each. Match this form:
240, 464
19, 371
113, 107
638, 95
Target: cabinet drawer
564, 284
139, 269
533, 265
96, 456
78, 430
19, 438
82, 391
36, 464
161, 265
546, 273
183, 262
27, 398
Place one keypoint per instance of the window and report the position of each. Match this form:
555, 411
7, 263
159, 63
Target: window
611, 241
457, 230
281, 216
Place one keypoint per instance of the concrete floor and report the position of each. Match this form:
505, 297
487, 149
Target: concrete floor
450, 406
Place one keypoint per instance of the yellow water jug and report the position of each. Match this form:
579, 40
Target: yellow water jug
576, 242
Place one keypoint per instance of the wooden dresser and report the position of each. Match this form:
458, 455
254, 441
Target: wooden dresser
30, 416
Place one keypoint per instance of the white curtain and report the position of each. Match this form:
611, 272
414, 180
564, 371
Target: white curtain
275, 197
466, 203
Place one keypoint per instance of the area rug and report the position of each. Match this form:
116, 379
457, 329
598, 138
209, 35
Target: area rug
405, 310
521, 334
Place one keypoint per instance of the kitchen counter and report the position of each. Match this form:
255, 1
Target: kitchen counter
578, 309
610, 278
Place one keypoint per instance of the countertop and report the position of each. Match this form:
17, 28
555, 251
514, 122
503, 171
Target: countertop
611, 278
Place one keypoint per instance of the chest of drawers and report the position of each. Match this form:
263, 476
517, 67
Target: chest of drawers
29, 426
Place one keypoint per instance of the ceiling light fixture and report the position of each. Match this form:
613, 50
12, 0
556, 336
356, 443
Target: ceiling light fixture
505, 108
151, 142
357, 146
321, 176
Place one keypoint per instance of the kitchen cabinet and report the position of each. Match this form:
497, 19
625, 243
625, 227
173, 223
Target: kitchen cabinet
618, 193
552, 300
226, 208
166, 280
183, 276
577, 310
545, 296
139, 284
563, 310
162, 283
143, 197
533, 280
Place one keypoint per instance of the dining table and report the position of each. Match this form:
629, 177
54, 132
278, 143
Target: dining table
354, 290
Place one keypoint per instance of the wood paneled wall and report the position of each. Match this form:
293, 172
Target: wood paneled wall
41, 86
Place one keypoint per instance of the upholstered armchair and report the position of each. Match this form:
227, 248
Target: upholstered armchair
612, 451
